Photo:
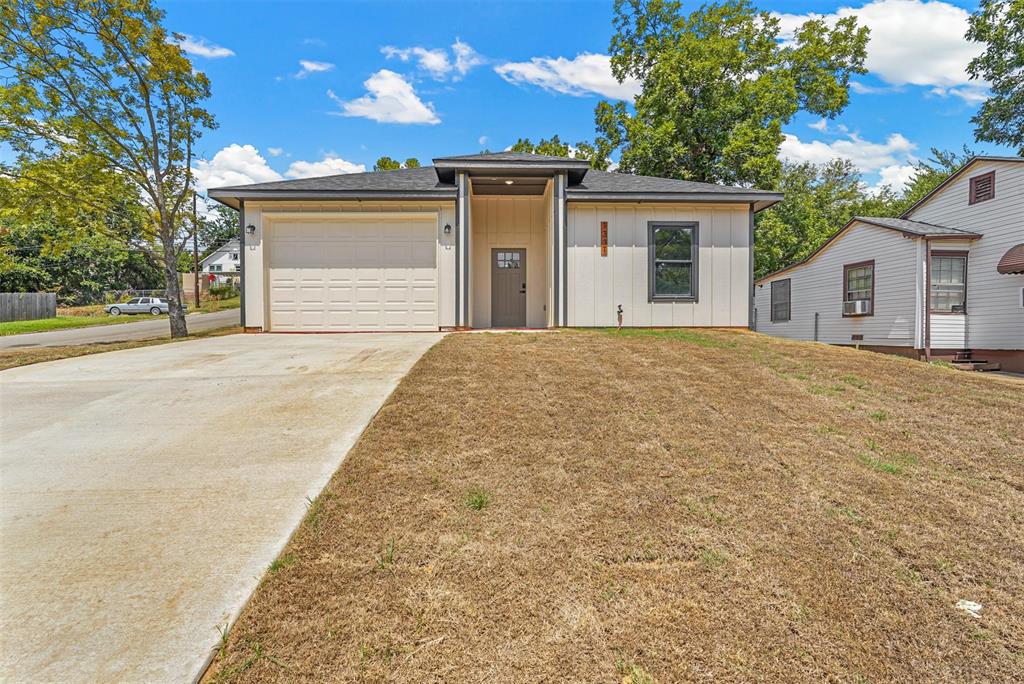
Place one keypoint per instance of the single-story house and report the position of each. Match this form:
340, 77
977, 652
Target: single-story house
494, 240
943, 281
221, 266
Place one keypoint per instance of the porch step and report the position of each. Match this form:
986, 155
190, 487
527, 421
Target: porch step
975, 365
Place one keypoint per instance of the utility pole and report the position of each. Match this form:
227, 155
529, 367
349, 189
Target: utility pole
195, 249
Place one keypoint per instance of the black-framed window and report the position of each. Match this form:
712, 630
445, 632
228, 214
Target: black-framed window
949, 283
859, 286
672, 260
780, 301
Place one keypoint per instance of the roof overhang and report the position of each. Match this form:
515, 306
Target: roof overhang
446, 168
760, 200
1012, 263
230, 197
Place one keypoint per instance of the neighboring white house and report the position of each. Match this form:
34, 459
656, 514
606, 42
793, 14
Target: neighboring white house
222, 266
946, 280
494, 240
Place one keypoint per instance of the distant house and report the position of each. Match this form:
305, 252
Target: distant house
945, 280
221, 267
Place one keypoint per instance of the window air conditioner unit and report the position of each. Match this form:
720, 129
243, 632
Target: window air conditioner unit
856, 307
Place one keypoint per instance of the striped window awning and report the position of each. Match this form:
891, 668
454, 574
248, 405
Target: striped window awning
1013, 261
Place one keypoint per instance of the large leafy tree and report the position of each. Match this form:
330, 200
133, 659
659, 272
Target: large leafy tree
99, 86
555, 147
388, 164
718, 84
1000, 25
821, 198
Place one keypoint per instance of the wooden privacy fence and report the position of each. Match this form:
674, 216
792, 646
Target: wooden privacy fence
27, 306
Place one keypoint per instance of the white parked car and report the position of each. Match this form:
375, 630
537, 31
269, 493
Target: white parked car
139, 305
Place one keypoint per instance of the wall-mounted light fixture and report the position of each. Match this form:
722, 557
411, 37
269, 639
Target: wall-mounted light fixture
250, 229
447, 229
509, 182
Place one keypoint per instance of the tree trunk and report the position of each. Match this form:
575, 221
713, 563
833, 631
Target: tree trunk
172, 285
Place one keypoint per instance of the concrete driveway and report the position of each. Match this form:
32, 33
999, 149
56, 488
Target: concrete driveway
141, 329
144, 492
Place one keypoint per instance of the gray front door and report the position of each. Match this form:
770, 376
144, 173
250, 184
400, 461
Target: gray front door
508, 288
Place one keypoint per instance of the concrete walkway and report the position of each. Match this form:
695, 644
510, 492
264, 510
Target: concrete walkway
144, 492
142, 329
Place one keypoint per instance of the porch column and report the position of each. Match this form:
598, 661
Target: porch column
463, 256
559, 252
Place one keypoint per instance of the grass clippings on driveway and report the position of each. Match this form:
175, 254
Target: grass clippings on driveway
714, 506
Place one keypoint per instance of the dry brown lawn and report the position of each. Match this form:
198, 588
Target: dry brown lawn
658, 506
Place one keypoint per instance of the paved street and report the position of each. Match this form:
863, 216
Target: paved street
143, 329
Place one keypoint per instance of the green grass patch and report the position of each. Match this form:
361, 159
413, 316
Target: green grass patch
879, 416
893, 465
681, 334
59, 323
712, 558
478, 499
279, 564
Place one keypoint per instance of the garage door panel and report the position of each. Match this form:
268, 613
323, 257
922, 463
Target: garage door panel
357, 275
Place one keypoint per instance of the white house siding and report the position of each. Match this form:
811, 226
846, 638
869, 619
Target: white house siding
598, 285
817, 287
510, 222
995, 318
256, 261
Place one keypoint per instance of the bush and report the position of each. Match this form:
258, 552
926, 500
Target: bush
223, 291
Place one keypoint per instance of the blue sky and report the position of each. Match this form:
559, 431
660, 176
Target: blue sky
303, 88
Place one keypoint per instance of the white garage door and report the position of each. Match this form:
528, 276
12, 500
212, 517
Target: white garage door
353, 275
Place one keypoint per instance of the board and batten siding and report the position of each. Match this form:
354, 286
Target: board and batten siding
256, 261
995, 316
817, 288
597, 285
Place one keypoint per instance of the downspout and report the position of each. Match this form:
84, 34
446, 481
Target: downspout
751, 319
241, 260
927, 300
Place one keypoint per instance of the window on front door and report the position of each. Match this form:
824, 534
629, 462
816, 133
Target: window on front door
949, 283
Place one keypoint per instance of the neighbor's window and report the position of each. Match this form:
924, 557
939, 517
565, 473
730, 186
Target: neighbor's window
983, 187
216, 267
234, 256
780, 301
859, 286
949, 283
673, 264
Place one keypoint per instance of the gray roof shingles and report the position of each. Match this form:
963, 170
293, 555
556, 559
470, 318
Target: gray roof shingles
423, 179
607, 181
507, 157
915, 227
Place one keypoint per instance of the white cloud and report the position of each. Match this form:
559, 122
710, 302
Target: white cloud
865, 89
912, 42
233, 165
243, 164
869, 157
972, 94
389, 99
311, 67
275, 151
330, 165
482, 140
201, 47
584, 74
435, 61
819, 125
465, 57
895, 177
